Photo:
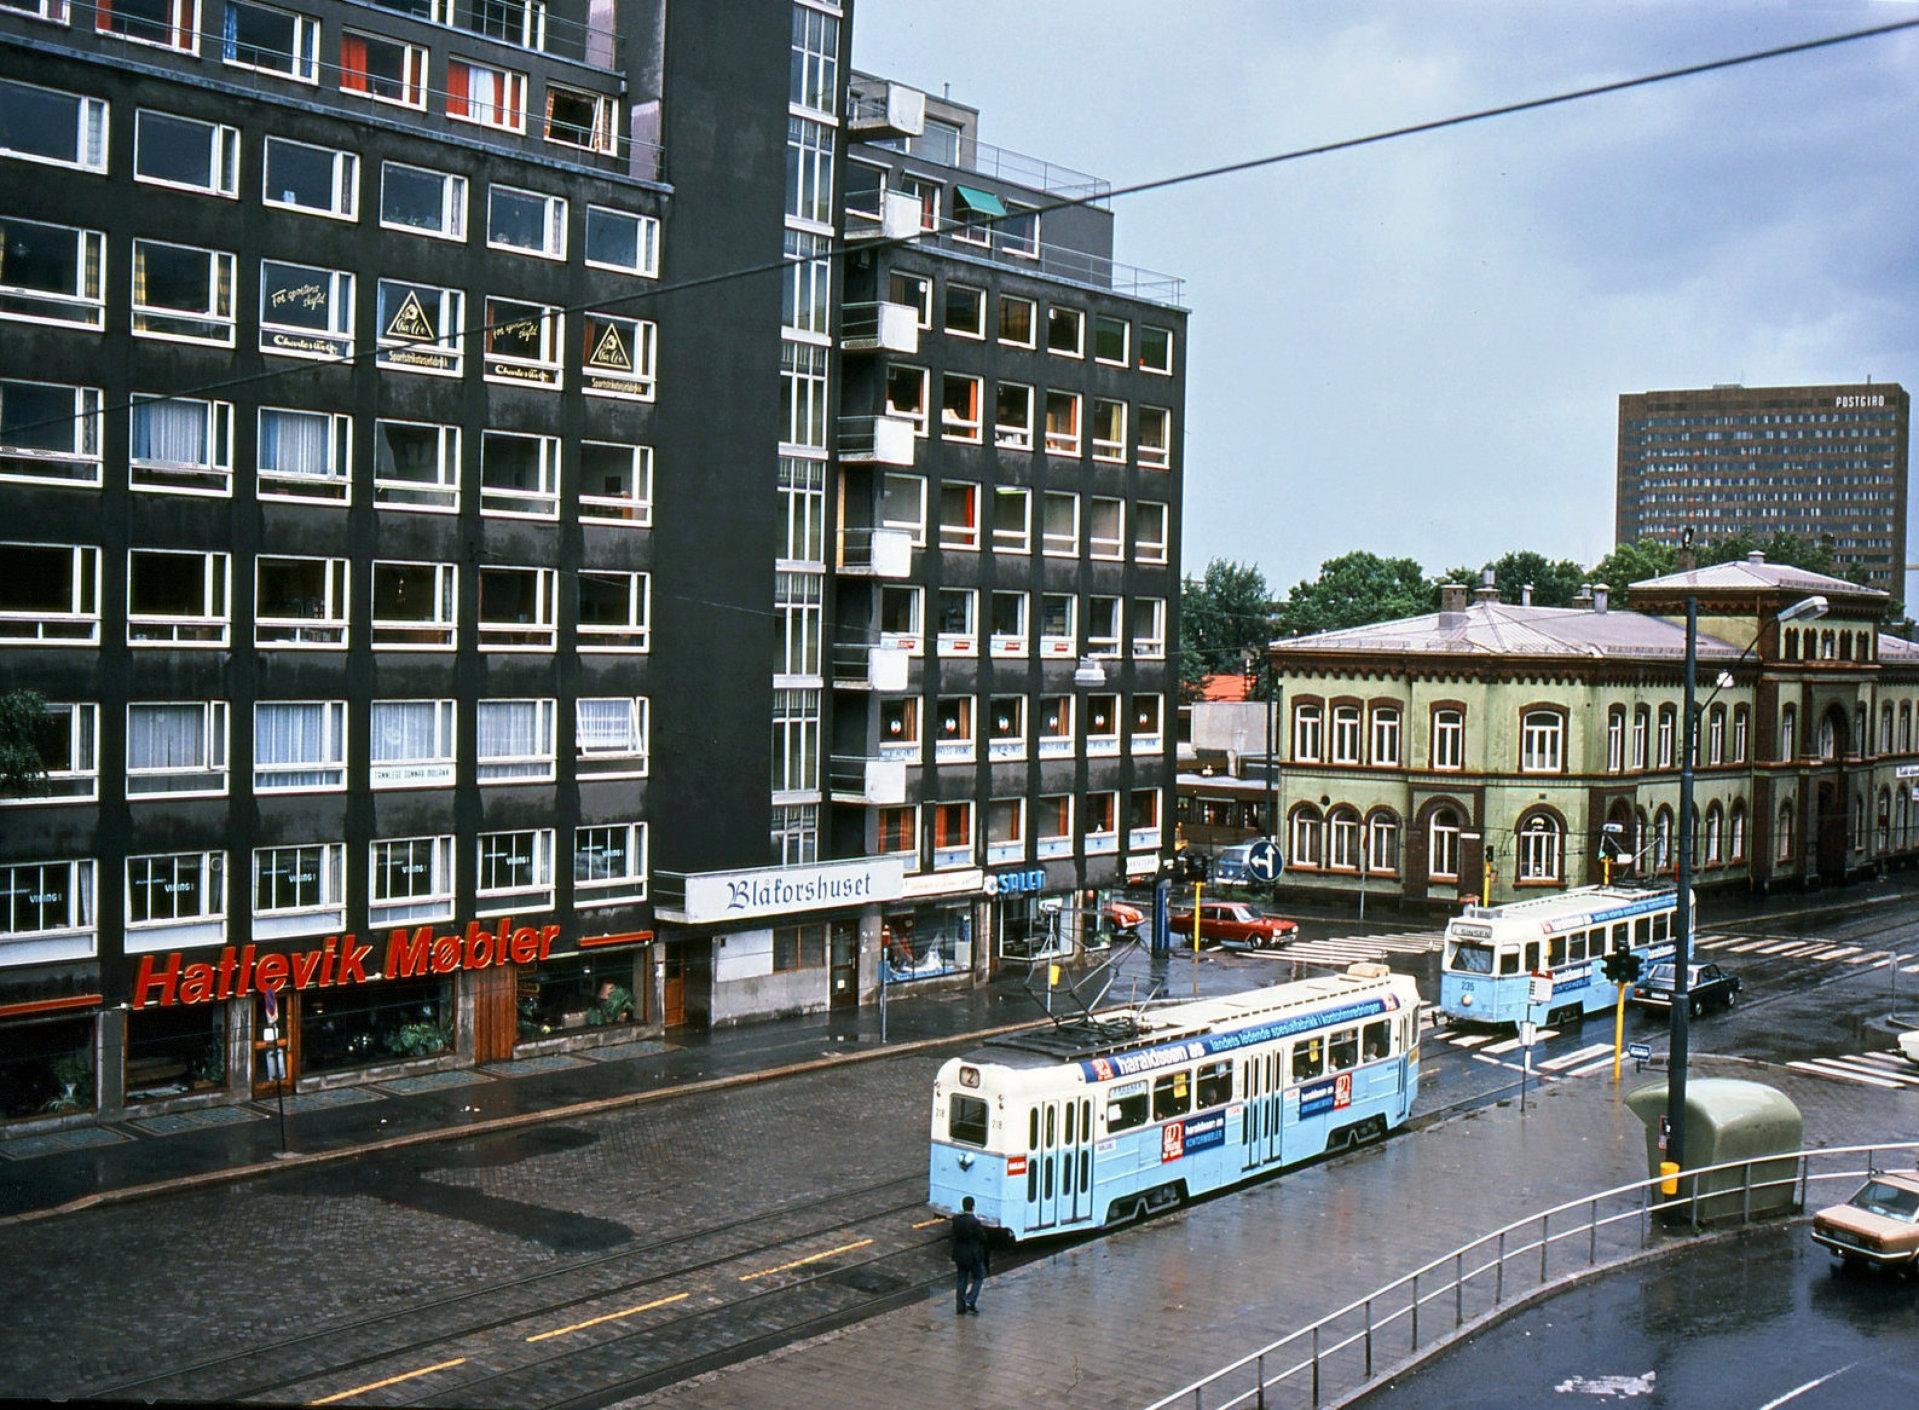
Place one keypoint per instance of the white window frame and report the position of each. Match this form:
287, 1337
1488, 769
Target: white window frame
1050, 812
1146, 726
1125, 340
209, 781
1111, 547
55, 626
213, 477
1106, 448
604, 138
76, 467
914, 528
646, 242
1101, 840
326, 632
957, 428
1070, 442
76, 939
162, 322
1009, 540
331, 765
389, 633
1309, 732
302, 61
299, 487
952, 857
211, 629
89, 131
536, 894
1032, 322
505, 502
548, 366
223, 155
1153, 367
1010, 645
1105, 624
1005, 743
626, 889
1102, 738
1158, 457
1061, 742
1540, 850
207, 926
1074, 319
633, 635
282, 340
1449, 740
542, 633
325, 915
431, 854
958, 745
443, 354
634, 511
346, 181
76, 778
961, 535
413, 72
1059, 645
541, 766
552, 223
965, 642
620, 761
1542, 742
87, 298
183, 26
1343, 735
913, 642
436, 769
452, 204
1149, 628
977, 298
1055, 545
1008, 435
505, 111
1146, 549
639, 380
447, 485
1387, 736
1011, 848
1442, 846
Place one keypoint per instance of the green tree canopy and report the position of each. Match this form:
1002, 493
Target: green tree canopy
1635, 562
23, 719
1355, 590
1222, 615
1554, 584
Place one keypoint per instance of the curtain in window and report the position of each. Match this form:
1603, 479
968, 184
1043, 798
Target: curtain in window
353, 63
294, 747
458, 83
171, 432
403, 730
230, 34
166, 737
295, 443
510, 729
608, 726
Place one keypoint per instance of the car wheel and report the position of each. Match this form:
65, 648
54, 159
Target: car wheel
1732, 997
1693, 1008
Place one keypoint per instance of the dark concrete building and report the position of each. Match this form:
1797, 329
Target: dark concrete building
403, 488
1819, 462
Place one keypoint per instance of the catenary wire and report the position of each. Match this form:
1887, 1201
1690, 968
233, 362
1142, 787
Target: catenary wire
840, 249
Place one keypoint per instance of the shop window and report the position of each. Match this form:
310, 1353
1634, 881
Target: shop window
47, 912
299, 746
926, 943
177, 598
66, 742
175, 1051
46, 1068
412, 743
422, 202
611, 734
313, 180
49, 126
383, 69
49, 434
517, 608
267, 40
588, 121
299, 890
522, 343
300, 602
618, 356
420, 328
514, 741
51, 273
411, 880
1031, 928
366, 1024
570, 994
799, 947
609, 864
183, 293
416, 466
176, 899
515, 872
414, 606
177, 749
623, 241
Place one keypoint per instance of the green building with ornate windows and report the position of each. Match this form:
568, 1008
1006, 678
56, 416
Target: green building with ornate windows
1492, 749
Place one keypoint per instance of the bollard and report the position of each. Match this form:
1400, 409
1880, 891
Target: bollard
1315, 1367
1499, 1276
1545, 1243
1415, 1312
1369, 1338
1459, 1290
1592, 1228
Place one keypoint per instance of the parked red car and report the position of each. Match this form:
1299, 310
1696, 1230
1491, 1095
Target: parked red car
1232, 920
1125, 918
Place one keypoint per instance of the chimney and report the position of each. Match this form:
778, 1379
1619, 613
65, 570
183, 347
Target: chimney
1583, 599
1452, 604
1754, 557
1486, 591
1600, 595
1526, 595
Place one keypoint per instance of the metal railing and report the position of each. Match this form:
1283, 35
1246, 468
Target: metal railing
1342, 1351
990, 245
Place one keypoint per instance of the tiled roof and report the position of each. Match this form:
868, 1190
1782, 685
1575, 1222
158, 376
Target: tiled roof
1226, 687
1745, 574
1503, 629
1897, 648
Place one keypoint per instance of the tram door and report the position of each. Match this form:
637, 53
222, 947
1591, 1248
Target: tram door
1059, 1180
1260, 1081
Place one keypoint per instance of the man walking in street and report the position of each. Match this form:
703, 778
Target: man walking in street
969, 1259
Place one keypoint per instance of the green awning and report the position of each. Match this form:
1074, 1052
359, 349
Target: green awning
984, 202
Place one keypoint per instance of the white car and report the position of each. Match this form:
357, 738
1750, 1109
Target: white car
1909, 1044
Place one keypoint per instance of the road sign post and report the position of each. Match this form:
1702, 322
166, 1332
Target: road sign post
275, 1056
1538, 993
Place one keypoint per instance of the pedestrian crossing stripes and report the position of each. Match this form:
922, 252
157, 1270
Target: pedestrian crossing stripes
1888, 1070
1343, 950
1584, 1055
1805, 948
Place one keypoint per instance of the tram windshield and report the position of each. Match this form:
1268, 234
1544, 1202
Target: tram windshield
1469, 958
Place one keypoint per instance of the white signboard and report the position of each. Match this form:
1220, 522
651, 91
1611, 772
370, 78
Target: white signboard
1542, 989
1906, 771
774, 891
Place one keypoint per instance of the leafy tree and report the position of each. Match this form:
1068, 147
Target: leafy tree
1355, 590
1222, 615
1635, 562
23, 716
1554, 584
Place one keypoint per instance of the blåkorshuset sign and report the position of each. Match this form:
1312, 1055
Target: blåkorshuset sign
167, 978
774, 891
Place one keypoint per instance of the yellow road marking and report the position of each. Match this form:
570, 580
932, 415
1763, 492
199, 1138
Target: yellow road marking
928, 1223
389, 1381
802, 1262
610, 1317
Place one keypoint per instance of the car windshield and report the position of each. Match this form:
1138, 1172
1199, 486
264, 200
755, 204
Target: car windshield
1469, 958
1877, 1197
1660, 974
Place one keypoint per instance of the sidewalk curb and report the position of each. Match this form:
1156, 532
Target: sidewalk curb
493, 1125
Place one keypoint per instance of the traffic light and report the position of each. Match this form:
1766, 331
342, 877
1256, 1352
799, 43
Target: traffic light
1622, 967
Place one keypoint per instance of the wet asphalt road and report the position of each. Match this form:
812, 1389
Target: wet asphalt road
1760, 1322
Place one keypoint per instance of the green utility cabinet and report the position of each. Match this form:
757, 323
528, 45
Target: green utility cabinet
1729, 1119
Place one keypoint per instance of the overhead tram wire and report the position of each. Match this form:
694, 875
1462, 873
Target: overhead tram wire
841, 249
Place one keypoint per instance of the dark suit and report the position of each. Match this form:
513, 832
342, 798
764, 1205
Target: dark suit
969, 1259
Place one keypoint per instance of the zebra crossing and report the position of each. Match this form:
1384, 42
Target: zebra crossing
1343, 950
1778, 947
1888, 1069
1496, 1048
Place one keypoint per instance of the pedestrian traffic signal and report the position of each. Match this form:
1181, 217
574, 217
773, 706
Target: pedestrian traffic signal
1622, 967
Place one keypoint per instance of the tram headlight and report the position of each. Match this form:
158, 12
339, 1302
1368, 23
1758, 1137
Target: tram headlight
1465, 1001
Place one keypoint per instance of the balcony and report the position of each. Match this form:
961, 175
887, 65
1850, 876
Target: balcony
876, 440
520, 24
877, 783
1044, 260
875, 553
880, 327
1000, 853
1143, 839
893, 111
1049, 847
889, 215
864, 666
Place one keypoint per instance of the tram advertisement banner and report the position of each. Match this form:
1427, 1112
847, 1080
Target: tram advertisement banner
1327, 1096
1199, 1133
1105, 1069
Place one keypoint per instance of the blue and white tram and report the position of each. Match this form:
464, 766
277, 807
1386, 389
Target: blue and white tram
1095, 1123
1492, 952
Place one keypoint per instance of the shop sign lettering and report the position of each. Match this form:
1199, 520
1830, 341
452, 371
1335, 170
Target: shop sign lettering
714, 896
1016, 883
166, 980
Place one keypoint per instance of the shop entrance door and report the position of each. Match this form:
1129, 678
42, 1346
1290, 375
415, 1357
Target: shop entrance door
846, 965
673, 990
287, 1028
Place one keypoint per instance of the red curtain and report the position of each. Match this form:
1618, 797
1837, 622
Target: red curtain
456, 88
353, 63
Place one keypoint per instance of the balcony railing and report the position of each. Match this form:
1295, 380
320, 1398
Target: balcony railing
868, 666
1055, 262
878, 553
880, 327
874, 782
876, 440
522, 24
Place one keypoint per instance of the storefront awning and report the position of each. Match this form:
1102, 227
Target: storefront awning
982, 202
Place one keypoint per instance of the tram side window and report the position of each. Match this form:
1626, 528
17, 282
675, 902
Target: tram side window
966, 1120
1309, 1059
1376, 1039
1172, 1094
1576, 947
1625, 933
1214, 1086
1532, 957
1124, 1112
1509, 961
1661, 928
1345, 1049
1472, 959
1556, 951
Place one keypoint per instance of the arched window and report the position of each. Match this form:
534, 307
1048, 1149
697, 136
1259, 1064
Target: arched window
1715, 825
1541, 849
1905, 727
1442, 845
1345, 734
1667, 718
1861, 737
1782, 850
1615, 739
1542, 742
1449, 739
1716, 735
1828, 646
1662, 854
1788, 734
1342, 839
1791, 649
1885, 728
1304, 838
1382, 842
1641, 837
1859, 838
1386, 736
1741, 730
1885, 820
1309, 732
1828, 738
1845, 646
1641, 731
1736, 834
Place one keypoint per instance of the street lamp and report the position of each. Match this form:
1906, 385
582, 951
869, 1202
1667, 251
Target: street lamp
1807, 609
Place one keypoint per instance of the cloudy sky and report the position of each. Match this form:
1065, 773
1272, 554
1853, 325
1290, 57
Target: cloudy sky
1417, 348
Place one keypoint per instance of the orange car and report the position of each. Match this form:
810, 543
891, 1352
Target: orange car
1232, 920
1878, 1225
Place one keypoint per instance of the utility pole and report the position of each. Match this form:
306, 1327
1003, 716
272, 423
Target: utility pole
1682, 916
